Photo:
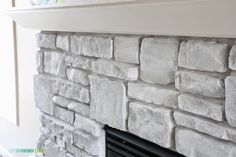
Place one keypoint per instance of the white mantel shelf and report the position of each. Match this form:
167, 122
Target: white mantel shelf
206, 18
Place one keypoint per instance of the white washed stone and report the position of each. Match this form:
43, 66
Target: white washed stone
42, 93
126, 49
151, 123
63, 41
203, 55
230, 106
198, 83
153, 94
64, 114
159, 54
232, 58
53, 150
93, 46
77, 151
78, 76
71, 90
79, 62
115, 69
209, 108
108, 102
39, 61
193, 144
88, 125
209, 127
46, 40
87, 142
53, 63
82, 109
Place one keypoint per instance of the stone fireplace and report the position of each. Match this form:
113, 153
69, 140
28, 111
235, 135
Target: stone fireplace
177, 92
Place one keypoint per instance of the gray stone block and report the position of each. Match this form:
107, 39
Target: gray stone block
64, 114
210, 108
46, 40
232, 58
63, 41
198, 83
93, 46
108, 102
126, 49
158, 95
230, 104
193, 144
78, 76
159, 54
203, 55
151, 123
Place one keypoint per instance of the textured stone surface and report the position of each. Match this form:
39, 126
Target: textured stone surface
203, 55
64, 114
78, 76
212, 128
87, 125
77, 151
153, 124
232, 58
153, 94
46, 40
230, 106
193, 144
71, 90
94, 46
87, 142
53, 63
108, 102
197, 83
42, 93
209, 108
63, 41
159, 54
126, 49
79, 61
115, 69
39, 61
53, 150
82, 109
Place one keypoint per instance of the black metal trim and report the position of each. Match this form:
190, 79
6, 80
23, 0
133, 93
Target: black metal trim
132, 145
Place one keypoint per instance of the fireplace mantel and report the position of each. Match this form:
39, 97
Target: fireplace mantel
205, 18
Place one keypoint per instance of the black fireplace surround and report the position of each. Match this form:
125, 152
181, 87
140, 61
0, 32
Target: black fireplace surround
123, 144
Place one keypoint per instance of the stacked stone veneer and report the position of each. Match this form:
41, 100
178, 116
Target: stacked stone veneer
179, 93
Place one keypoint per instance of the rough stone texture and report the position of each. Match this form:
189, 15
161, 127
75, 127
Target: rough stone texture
53, 63
39, 61
230, 104
77, 151
153, 124
232, 58
53, 150
64, 114
193, 144
63, 41
42, 93
153, 94
108, 102
126, 49
93, 46
209, 108
71, 91
87, 142
78, 76
203, 55
212, 128
79, 62
88, 125
46, 40
115, 69
82, 109
159, 54
105, 67
197, 83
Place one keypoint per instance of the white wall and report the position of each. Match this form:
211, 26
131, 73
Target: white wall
24, 136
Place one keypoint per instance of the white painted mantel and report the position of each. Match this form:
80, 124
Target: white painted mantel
206, 18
